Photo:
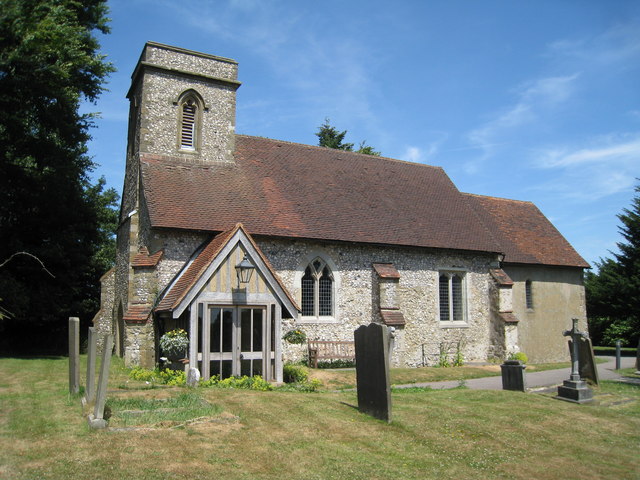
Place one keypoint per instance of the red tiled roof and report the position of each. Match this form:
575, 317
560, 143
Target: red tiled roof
201, 262
386, 270
501, 277
143, 259
194, 271
392, 317
137, 313
284, 189
524, 234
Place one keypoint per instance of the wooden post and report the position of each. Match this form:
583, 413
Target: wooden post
74, 355
91, 366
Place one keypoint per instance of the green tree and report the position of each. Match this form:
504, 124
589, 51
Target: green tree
49, 64
330, 137
613, 293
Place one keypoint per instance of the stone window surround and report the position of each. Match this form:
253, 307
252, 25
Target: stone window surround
464, 323
300, 271
185, 97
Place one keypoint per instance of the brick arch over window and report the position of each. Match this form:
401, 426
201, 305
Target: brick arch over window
190, 107
318, 282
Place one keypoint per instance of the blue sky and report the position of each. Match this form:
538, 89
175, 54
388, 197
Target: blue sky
536, 100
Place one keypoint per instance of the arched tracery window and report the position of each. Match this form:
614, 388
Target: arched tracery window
317, 290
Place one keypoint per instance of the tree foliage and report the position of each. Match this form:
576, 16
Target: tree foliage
330, 137
49, 64
613, 293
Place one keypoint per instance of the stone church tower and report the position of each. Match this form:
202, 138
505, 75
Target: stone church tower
182, 105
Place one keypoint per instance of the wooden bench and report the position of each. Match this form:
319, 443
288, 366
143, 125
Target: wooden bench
330, 350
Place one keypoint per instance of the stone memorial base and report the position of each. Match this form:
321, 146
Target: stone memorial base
96, 423
576, 391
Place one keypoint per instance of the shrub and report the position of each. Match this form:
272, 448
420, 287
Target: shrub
521, 356
165, 376
294, 373
339, 363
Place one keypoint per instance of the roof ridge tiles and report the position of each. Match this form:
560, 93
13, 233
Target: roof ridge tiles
346, 152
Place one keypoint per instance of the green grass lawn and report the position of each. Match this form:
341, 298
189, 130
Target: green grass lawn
241, 434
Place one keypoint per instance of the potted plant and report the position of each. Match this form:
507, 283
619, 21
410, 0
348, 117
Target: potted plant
174, 344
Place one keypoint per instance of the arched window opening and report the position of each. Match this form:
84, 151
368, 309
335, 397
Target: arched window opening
317, 290
528, 293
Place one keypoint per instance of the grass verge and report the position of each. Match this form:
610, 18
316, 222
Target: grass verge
447, 434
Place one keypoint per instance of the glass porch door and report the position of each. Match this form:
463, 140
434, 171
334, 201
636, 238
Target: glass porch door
232, 341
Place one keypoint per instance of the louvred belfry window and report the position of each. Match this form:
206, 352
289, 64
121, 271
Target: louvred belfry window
188, 126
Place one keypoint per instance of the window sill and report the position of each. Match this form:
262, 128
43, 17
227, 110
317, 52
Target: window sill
454, 324
317, 320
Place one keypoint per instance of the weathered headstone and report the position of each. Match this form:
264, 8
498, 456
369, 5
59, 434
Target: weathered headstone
90, 389
96, 420
74, 355
586, 359
513, 377
638, 359
575, 389
193, 377
372, 370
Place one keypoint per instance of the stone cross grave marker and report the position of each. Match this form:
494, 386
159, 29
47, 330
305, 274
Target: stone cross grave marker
586, 359
372, 370
575, 389
96, 420
90, 390
74, 355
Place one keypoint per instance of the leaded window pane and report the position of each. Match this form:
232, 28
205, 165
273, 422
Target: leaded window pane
308, 307
528, 294
444, 298
325, 290
456, 297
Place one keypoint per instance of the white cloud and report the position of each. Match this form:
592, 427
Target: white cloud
619, 44
610, 151
609, 165
413, 154
535, 98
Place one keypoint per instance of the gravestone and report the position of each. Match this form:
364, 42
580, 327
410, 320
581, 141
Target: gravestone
90, 389
96, 420
74, 355
193, 377
513, 376
586, 359
575, 389
372, 370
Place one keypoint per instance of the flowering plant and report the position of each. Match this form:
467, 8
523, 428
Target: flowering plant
174, 343
295, 336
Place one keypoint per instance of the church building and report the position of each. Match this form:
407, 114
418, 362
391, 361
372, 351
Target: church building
329, 240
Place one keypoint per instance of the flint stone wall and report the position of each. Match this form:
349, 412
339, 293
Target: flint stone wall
357, 300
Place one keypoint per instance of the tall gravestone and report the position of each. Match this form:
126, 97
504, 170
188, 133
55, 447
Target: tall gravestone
90, 389
638, 359
74, 355
372, 370
96, 420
